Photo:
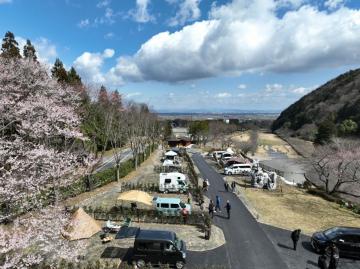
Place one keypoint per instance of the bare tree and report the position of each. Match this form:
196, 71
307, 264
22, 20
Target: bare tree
335, 165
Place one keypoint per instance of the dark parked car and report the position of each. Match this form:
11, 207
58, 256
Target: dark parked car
345, 238
158, 247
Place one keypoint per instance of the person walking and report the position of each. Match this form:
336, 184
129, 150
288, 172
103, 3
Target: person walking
226, 186
217, 206
295, 236
211, 208
228, 208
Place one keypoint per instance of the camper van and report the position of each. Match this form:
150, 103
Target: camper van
158, 247
172, 182
238, 169
170, 206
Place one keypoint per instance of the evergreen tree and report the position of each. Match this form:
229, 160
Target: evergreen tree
115, 99
326, 131
58, 71
29, 51
103, 98
9, 46
73, 78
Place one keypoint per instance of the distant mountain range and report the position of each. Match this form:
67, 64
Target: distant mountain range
336, 100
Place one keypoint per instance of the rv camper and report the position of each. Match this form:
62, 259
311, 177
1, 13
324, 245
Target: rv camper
172, 182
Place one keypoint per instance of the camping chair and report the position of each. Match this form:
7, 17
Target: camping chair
126, 222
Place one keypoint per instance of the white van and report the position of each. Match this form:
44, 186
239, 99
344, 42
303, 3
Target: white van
172, 182
238, 169
226, 156
217, 154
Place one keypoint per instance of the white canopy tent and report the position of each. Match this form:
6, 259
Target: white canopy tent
171, 153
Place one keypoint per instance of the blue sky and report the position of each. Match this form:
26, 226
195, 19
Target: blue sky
181, 55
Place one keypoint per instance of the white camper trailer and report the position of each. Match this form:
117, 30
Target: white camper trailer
172, 182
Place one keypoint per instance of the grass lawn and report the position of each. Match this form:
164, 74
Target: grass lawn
295, 208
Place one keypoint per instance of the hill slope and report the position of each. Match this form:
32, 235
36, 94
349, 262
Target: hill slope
338, 99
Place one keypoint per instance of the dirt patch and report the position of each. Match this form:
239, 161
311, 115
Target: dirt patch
267, 142
290, 208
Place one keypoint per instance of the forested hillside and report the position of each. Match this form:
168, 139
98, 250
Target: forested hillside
331, 110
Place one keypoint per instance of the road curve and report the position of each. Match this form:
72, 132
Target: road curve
247, 246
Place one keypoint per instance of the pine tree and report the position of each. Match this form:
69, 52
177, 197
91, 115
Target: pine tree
103, 98
116, 99
58, 71
73, 78
9, 46
29, 51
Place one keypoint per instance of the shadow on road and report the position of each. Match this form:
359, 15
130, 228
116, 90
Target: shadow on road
307, 245
284, 246
114, 253
312, 263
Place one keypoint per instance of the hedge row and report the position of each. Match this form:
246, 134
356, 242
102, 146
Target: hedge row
120, 213
197, 190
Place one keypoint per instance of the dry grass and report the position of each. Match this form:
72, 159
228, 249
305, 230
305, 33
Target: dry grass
267, 142
295, 208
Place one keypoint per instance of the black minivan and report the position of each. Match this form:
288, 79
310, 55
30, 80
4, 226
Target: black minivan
346, 239
158, 247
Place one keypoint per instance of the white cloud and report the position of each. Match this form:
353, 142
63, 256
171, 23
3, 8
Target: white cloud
188, 11
84, 23
89, 66
290, 3
133, 94
334, 4
107, 18
223, 95
273, 88
248, 36
141, 13
242, 86
103, 3
109, 35
5, 1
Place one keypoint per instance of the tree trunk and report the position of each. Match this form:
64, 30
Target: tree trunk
118, 172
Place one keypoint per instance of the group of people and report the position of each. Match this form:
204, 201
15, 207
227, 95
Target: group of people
328, 260
231, 187
213, 208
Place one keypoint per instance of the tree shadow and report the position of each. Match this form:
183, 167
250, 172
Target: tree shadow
284, 246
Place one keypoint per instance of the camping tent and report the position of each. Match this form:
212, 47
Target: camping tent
171, 153
136, 196
81, 226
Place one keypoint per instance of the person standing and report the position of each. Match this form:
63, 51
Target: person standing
228, 208
233, 185
295, 236
226, 186
333, 252
217, 207
211, 208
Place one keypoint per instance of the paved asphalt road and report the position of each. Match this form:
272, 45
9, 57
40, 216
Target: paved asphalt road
110, 161
247, 245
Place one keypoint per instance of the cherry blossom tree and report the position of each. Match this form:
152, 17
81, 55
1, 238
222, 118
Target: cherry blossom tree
40, 138
36, 237
336, 167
